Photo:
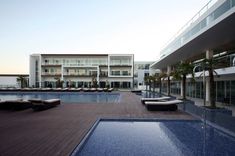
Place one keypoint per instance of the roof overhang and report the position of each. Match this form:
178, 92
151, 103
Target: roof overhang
220, 36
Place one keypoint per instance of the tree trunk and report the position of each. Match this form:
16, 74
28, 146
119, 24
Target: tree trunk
184, 86
160, 87
154, 86
168, 86
212, 89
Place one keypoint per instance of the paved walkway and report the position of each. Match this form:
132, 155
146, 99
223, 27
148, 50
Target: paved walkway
57, 131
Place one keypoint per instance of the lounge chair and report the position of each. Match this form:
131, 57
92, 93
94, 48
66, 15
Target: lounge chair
100, 89
38, 105
110, 89
15, 104
86, 89
93, 89
162, 105
78, 89
143, 100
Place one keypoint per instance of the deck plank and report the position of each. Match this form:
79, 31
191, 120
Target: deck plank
57, 131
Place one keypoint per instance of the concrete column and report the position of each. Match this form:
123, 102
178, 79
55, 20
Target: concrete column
40, 71
181, 88
168, 70
209, 54
168, 84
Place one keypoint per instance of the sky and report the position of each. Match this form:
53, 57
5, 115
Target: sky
139, 27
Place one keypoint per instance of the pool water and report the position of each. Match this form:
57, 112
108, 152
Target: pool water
156, 138
66, 97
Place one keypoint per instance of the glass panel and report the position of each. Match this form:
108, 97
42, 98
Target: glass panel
233, 3
220, 91
222, 9
203, 23
233, 92
227, 92
198, 90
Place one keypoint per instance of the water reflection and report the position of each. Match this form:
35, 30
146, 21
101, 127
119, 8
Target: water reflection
189, 138
65, 97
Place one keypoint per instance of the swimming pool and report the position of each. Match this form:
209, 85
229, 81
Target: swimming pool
66, 97
162, 137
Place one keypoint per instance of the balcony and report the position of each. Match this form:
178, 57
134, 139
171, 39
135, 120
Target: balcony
210, 29
104, 74
50, 65
79, 75
51, 74
120, 65
118, 73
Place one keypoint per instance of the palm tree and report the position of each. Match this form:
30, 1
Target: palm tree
94, 82
209, 65
181, 72
159, 79
22, 80
59, 82
168, 76
153, 80
147, 81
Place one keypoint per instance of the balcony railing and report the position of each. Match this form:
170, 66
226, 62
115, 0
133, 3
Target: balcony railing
51, 73
186, 33
80, 75
120, 74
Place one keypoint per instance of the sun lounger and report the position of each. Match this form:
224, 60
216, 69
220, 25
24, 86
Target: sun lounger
162, 105
93, 89
15, 104
38, 105
65, 89
86, 89
143, 100
100, 89
110, 89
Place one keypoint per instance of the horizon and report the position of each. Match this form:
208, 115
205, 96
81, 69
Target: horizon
88, 27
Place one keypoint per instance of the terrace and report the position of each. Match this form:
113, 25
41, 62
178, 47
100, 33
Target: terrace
57, 131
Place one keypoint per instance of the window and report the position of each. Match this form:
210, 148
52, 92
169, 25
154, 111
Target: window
125, 73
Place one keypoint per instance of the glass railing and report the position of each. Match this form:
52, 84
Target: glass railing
223, 62
51, 73
186, 33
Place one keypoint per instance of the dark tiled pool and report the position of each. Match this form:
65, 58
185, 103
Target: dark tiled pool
150, 138
66, 97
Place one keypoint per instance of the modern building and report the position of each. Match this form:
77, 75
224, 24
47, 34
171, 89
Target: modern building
81, 70
209, 34
141, 70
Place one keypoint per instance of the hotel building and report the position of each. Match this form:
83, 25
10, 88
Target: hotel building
209, 34
79, 70
141, 70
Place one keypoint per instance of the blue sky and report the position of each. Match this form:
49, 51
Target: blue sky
140, 27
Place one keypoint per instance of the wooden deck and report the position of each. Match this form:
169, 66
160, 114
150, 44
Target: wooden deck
57, 131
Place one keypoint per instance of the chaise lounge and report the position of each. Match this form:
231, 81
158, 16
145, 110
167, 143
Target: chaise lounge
162, 105
143, 100
15, 104
38, 105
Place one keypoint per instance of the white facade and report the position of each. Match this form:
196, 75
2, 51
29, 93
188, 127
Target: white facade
209, 34
78, 70
142, 69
